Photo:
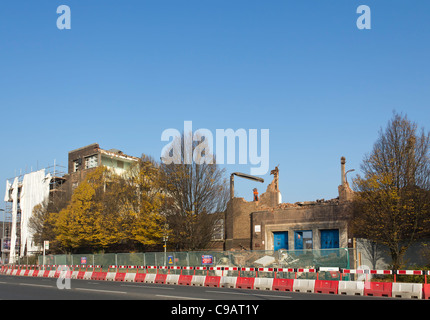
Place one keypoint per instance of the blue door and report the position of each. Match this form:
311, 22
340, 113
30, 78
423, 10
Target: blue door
330, 239
281, 240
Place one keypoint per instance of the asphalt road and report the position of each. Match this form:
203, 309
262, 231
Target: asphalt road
35, 288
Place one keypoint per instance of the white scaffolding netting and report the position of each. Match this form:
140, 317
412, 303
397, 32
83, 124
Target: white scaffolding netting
14, 217
35, 189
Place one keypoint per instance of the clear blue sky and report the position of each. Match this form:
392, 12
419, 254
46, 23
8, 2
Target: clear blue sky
127, 70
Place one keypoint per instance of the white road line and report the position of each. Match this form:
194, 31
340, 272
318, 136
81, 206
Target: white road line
225, 292
146, 287
36, 285
254, 294
268, 295
178, 297
97, 290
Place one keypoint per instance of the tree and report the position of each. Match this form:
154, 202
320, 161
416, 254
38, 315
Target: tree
146, 198
194, 194
391, 205
110, 212
77, 225
43, 220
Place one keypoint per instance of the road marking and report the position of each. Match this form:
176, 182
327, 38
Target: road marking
179, 297
97, 290
146, 287
35, 285
268, 295
251, 294
227, 292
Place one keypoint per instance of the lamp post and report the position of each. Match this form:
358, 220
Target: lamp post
346, 180
165, 239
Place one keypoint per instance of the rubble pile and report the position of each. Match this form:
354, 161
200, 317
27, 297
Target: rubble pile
308, 203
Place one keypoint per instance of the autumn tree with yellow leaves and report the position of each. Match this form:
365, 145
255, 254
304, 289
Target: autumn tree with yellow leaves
392, 200
112, 212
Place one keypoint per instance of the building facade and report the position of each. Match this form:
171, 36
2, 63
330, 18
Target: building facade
267, 224
26, 191
84, 160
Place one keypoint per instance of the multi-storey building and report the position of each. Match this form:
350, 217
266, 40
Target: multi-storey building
25, 191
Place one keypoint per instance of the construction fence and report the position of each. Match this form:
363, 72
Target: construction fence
253, 259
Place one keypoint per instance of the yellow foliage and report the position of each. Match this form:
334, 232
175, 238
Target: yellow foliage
107, 209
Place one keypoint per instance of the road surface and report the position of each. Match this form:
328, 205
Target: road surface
35, 288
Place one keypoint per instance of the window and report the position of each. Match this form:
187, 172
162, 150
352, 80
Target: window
76, 165
91, 162
218, 230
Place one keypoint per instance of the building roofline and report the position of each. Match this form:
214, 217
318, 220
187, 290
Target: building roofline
96, 145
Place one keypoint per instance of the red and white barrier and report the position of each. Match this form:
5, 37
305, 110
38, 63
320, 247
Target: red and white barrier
164, 275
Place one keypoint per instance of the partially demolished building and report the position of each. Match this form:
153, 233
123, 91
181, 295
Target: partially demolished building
267, 224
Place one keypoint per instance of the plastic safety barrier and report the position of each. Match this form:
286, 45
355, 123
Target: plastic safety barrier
129, 277
245, 283
140, 277
351, 288
57, 272
326, 286
263, 283
407, 290
172, 279
46, 273
228, 282
280, 284
198, 281
110, 275
160, 278
150, 277
212, 281
185, 280
222, 278
426, 291
303, 285
80, 275
378, 289
120, 276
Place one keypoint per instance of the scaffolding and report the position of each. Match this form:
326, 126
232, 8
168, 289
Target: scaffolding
56, 174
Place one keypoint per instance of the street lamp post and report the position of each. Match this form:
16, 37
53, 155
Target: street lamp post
165, 239
346, 180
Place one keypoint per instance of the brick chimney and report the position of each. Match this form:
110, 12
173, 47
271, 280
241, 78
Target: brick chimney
345, 192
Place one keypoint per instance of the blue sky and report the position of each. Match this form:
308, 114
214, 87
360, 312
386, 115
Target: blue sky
127, 70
